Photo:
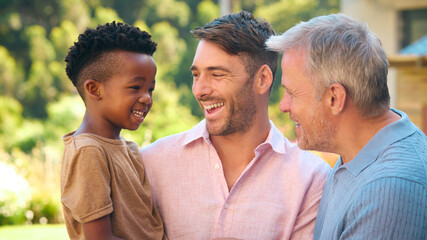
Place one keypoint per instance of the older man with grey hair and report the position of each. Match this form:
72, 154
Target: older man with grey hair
335, 79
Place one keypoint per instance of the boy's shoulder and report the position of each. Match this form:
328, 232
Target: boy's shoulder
92, 140
82, 140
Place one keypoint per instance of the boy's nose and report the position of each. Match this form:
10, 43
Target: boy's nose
145, 99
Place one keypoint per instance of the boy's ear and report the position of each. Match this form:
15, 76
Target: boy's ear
93, 89
336, 96
263, 79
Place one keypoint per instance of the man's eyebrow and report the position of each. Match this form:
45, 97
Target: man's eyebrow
212, 68
219, 68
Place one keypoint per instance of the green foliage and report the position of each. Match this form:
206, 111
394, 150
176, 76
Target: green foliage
11, 74
283, 14
75, 11
14, 195
206, 12
38, 91
25, 191
42, 209
142, 26
104, 15
62, 37
175, 12
171, 48
66, 113
10, 120
41, 49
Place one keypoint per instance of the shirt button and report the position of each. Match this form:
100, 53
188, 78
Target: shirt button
217, 166
225, 205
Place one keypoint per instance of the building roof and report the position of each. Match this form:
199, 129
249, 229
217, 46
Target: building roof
417, 48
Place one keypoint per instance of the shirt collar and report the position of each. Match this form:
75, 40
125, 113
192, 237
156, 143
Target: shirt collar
274, 139
383, 138
198, 131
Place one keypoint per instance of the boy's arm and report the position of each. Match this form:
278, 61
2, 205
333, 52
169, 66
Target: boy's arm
99, 229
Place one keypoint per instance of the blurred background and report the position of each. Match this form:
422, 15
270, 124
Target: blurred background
38, 103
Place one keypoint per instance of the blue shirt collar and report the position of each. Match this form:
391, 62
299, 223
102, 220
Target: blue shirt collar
383, 138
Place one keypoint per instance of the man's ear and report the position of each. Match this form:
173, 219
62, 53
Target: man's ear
93, 89
263, 79
335, 97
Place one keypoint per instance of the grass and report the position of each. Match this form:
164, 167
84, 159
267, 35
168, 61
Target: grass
34, 232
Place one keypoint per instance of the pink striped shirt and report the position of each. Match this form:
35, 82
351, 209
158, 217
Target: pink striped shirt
276, 196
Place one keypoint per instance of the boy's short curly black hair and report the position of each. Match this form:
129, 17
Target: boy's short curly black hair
90, 56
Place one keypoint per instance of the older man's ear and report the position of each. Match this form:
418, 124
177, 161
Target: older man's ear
336, 98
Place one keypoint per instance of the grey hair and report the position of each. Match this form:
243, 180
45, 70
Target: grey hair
340, 49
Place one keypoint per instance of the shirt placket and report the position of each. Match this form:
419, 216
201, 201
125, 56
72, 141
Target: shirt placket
223, 223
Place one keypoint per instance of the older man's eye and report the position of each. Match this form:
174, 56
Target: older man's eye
218, 75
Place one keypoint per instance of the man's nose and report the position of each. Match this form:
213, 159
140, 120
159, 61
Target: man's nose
285, 103
202, 86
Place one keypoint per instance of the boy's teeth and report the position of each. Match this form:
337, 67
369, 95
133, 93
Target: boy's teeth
138, 113
215, 105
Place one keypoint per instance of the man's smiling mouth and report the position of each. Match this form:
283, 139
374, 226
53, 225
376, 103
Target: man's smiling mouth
212, 106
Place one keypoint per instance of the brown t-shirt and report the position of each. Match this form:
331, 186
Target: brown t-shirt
102, 176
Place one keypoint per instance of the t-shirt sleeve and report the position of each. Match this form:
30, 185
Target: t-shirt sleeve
388, 208
86, 192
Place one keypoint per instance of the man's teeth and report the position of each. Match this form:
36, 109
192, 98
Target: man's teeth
138, 113
215, 105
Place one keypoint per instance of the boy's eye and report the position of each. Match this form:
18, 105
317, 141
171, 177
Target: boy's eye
151, 89
135, 87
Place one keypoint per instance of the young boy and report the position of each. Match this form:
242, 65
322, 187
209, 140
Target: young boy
104, 190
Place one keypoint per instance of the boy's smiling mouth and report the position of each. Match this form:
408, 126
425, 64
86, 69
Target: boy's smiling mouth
139, 115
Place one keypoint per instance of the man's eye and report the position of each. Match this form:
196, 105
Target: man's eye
218, 75
135, 87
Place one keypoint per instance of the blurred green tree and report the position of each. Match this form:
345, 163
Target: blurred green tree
75, 11
104, 15
170, 50
11, 74
10, 120
177, 13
